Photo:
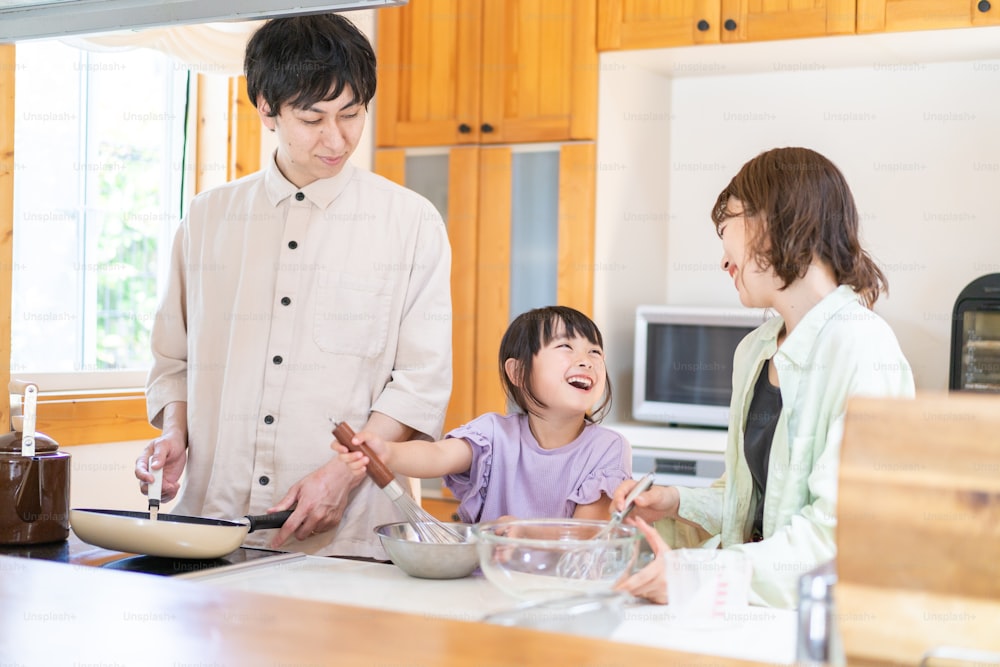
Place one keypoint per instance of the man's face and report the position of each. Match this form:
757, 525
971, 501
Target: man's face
316, 142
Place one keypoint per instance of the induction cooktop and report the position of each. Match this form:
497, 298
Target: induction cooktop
76, 552
193, 567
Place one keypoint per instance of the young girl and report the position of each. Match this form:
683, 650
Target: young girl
789, 231
549, 460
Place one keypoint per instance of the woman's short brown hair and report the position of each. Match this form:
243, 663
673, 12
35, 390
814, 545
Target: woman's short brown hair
804, 210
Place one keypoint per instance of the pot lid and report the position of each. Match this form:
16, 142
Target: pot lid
10, 443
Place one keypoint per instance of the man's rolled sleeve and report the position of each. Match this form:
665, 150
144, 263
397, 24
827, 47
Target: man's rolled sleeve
418, 392
167, 380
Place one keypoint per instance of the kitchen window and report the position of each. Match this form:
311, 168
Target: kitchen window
100, 174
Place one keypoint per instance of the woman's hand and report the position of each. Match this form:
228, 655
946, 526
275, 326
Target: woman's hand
651, 581
658, 502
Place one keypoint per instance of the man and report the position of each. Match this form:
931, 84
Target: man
307, 293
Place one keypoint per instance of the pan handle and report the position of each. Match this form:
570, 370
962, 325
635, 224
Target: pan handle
265, 521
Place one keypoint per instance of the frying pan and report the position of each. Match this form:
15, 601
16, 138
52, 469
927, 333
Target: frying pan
170, 535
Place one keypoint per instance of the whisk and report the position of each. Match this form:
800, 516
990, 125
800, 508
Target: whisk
590, 563
619, 515
427, 528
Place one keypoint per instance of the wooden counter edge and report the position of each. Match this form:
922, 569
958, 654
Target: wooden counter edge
54, 613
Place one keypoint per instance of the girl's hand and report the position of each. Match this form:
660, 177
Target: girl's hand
651, 581
357, 462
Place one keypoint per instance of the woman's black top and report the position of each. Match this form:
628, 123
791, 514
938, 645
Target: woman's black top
765, 407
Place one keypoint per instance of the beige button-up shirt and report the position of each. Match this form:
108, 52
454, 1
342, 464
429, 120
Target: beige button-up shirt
285, 309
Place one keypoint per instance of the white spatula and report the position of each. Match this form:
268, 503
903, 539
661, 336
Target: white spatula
155, 491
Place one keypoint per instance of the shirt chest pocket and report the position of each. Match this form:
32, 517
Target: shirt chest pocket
352, 314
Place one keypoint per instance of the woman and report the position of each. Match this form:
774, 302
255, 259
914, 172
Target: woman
789, 230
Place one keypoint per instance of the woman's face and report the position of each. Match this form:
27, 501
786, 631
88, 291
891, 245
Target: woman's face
756, 286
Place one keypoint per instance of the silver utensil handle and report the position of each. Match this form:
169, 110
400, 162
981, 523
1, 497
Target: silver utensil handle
642, 485
28, 428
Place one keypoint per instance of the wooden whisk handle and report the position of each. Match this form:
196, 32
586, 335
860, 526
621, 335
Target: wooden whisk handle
377, 470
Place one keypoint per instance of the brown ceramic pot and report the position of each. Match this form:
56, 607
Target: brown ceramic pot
34, 491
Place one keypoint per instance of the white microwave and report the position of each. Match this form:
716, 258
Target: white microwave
683, 364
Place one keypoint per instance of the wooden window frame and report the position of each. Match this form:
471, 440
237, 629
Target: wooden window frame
92, 417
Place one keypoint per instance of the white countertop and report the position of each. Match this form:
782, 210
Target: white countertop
752, 633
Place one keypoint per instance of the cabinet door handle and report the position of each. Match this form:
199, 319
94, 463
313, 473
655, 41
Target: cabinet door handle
729, 25
486, 127
984, 6
703, 25
464, 128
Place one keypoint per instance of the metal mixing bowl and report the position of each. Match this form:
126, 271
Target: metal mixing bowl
544, 559
429, 560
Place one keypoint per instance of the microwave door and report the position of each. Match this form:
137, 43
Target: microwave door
975, 363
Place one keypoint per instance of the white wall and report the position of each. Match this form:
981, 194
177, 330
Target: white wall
910, 119
631, 209
102, 477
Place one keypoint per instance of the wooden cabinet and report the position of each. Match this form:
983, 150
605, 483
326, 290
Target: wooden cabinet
644, 24
486, 71
760, 20
444, 508
895, 15
460, 76
647, 24
521, 225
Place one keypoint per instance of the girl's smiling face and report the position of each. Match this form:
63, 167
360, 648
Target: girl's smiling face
568, 374
756, 286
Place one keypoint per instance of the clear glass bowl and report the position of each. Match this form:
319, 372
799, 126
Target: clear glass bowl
544, 559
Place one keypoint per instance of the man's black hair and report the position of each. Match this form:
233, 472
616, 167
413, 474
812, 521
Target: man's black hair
303, 60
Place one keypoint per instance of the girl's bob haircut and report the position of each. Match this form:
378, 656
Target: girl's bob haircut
529, 333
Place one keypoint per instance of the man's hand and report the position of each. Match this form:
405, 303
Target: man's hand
169, 452
319, 500
320, 497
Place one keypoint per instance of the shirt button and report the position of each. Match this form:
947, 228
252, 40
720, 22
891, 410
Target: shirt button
293, 245
277, 359
299, 196
285, 301
264, 480
269, 419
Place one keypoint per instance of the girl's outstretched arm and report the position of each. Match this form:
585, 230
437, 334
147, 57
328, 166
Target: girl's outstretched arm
413, 458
